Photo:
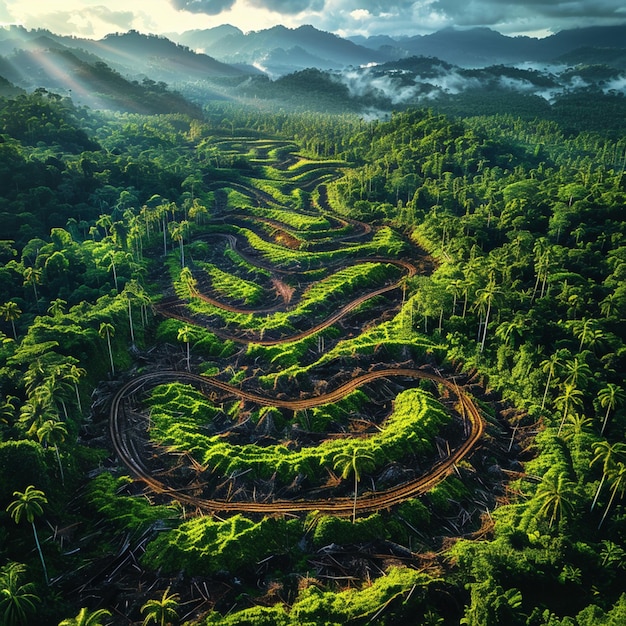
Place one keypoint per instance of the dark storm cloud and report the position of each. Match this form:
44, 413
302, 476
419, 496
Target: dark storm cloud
290, 7
491, 12
209, 7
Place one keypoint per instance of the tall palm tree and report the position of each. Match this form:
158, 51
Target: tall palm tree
35, 412
17, 600
184, 335
354, 462
29, 504
129, 293
161, 611
178, 232
53, 432
570, 398
108, 330
32, 277
608, 454
550, 366
485, 299
555, 494
610, 398
74, 374
87, 618
10, 311
617, 480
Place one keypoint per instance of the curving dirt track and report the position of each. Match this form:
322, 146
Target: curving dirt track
171, 307
123, 443
124, 420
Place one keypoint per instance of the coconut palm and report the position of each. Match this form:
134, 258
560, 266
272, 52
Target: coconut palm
35, 412
577, 370
617, 481
556, 495
610, 398
87, 618
53, 432
484, 300
607, 454
551, 366
17, 600
178, 232
73, 373
57, 307
184, 335
108, 330
161, 611
32, 277
10, 311
29, 504
569, 399
354, 462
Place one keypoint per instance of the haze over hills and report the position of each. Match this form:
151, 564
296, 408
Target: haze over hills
475, 47
311, 68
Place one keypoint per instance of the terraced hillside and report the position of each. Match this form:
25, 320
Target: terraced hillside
291, 381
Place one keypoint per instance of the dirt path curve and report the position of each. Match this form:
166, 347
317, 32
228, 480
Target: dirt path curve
121, 429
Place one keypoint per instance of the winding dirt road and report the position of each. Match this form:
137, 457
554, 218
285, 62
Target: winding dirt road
126, 422
123, 439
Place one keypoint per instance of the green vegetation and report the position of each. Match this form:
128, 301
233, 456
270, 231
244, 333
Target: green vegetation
107, 217
408, 431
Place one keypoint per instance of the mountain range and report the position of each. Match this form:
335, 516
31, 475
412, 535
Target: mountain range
147, 73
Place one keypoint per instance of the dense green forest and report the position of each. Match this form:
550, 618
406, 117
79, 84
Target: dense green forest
302, 368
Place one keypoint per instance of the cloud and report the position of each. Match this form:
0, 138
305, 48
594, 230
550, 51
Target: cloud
531, 14
209, 7
82, 21
289, 7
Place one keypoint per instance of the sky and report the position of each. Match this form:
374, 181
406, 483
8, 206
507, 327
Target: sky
94, 19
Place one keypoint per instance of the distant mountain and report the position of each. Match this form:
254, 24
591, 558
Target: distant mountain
93, 84
133, 54
280, 49
477, 47
157, 57
204, 39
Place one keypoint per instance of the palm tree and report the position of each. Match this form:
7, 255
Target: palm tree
610, 398
129, 294
32, 276
87, 618
108, 330
570, 398
184, 334
555, 494
35, 412
353, 462
550, 366
582, 330
74, 374
111, 266
609, 455
485, 298
578, 370
178, 232
17, 600
53, 432
161, 611
57, 307
190, 283
29, 504
617, 480
10, 311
